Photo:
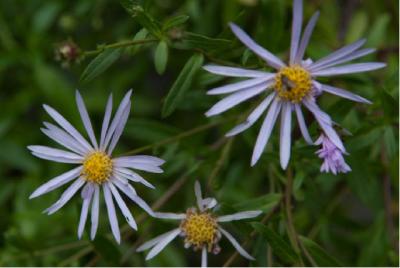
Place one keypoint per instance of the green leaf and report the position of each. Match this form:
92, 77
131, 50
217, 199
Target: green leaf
198, 41
174, 21
390, 142
357, 27
320, 256
161, 57
279, 246
182, 84
142, 34
377, 34
107, 250
101, 63
264, 203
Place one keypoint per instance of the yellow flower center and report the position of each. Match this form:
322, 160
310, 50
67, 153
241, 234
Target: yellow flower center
97, 167
199, 229
292, 83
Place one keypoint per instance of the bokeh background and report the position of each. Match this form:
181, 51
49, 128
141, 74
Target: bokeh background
353, 218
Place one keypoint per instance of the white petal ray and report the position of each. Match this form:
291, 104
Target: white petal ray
235, 244
143, 159
85, 209
209, 203
239, 216
162, 244
61, 137
354, 55
95, 212
234, 99
124, 209
197, 193
204, 257
154, 241
302, 124
170, 216
121, 182
106, 121
350, 69
139, 166
57, 158
344, 94
297, 23
342, 52
67, 127
85, 119
53, 152
242, 85
285, 135
265, 132
56, 182
306, 37
66, 196
133, 176
125, 101
253, 117
112, 217
271, 59
120, 128
234, 71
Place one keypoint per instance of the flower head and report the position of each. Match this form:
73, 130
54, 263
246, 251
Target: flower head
332, 156
200, 228
290, 88
96, 168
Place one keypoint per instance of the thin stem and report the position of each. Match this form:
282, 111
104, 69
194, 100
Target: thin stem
117, 45
76, 256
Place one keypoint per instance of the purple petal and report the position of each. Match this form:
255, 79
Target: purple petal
112, 217
302, 124
85, 118
106, 121
296, 28
242, 85
285, 139
349, 69
234, 72
306, 37
95, 211
344, 94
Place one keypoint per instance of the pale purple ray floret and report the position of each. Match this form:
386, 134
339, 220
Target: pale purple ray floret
290, 88
96, 169
332, 156
204, 219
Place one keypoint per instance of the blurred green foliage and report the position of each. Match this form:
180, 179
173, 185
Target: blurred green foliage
349, 219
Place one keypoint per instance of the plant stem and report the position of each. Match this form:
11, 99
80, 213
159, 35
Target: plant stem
117, 45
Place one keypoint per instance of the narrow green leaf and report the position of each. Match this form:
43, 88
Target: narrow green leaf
141, 35
264, 203
377, 33
174, 21
198, 41
357, 27
279, 246
182, 84
161, 57
320, 256
101, 63
107, 250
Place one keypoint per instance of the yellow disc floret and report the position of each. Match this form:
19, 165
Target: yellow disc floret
97, 167
199, 229
292, 83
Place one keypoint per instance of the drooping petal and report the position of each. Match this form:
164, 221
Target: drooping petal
106, 121
110, 132
242, 85
197, 193
253, 117
85, 208
344, 94
63, 138
124, 209
56, 182
154, 241
209, 203
66, 196
306, 37
133, 176
85, 119
112, 217
204, 257
120, 128
170, 216
349, 69
302, 124
265, 132
235, 244
342, 52
271, 59
56, 153
297, 22
67, 127
95, 212
285, 135
163, 243
234, 71
234, 99
239, 216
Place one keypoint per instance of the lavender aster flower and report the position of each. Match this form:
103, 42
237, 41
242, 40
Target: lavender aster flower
332, 156
290, 88
96, 168
200, 228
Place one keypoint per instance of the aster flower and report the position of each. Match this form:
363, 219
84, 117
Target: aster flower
96, 168
290, 88
332, 156
200, 229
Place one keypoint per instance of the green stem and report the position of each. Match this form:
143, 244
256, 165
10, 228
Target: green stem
117, 45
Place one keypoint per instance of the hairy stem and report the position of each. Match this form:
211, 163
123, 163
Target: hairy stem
118, 45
